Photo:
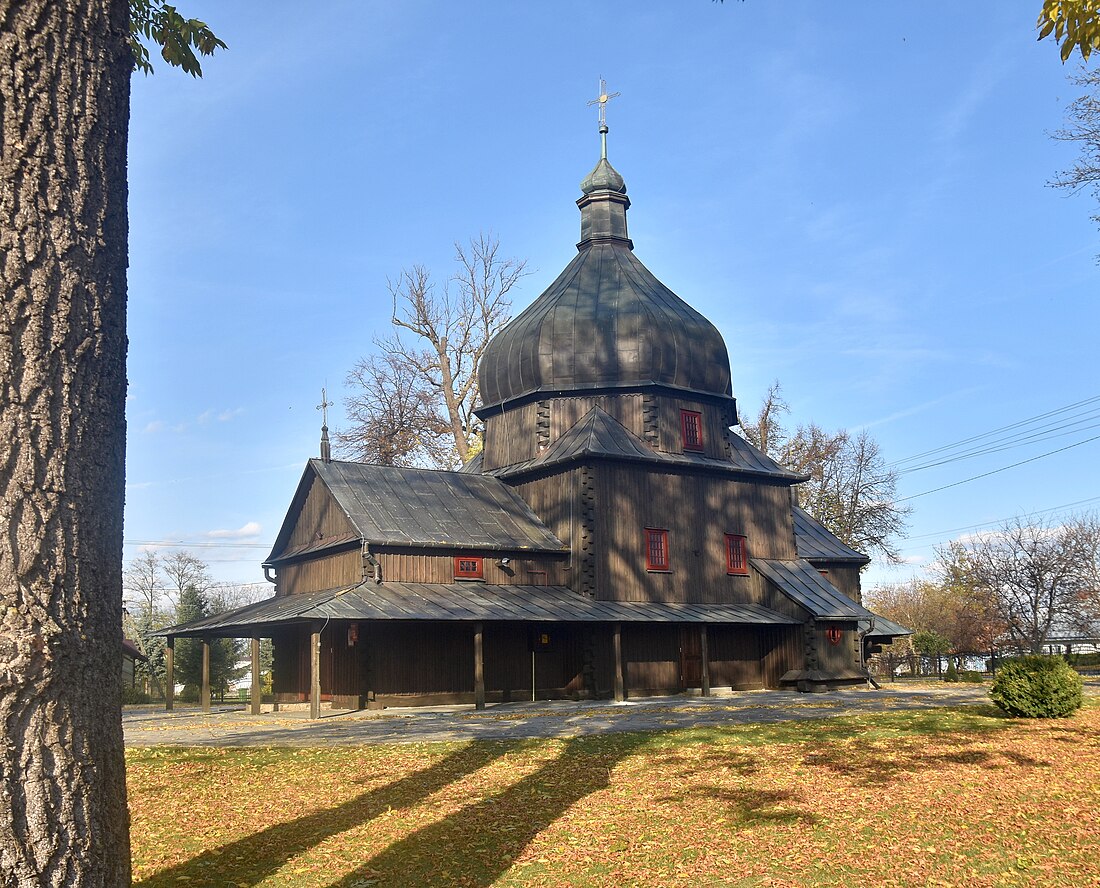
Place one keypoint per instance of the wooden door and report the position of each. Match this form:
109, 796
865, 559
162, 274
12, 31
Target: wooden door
691, 657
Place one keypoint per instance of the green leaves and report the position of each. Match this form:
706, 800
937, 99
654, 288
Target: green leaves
177, 37
1074, 23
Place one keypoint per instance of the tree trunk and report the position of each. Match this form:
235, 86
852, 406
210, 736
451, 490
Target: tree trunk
64, 109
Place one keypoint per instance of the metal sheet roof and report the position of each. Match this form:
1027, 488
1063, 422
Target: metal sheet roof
882, 628
599, 435
420, 507
815, 541
801, 582
467, 602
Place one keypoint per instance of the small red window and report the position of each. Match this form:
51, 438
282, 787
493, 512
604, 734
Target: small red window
736, 562
656, 549
468, 567
691, 424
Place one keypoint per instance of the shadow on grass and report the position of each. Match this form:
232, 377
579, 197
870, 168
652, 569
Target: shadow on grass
252, 859
477, 844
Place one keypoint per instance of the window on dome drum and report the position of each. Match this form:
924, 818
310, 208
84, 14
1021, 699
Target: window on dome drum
691, 425
469, 567
736, 561
656, 549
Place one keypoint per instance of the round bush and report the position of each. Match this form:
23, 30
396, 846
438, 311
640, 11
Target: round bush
1037, 687
971, 676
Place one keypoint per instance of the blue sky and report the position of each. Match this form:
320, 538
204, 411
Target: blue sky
853, 193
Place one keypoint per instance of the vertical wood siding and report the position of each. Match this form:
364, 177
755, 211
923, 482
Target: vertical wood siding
735, 654
319, 518
322, 572
697, 511
783, 651
420, 566
511, 437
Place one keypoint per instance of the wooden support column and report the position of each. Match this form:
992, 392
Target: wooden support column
255, 676
706, 658
315, 673
479, 667
204, 696
169, 673
617, 644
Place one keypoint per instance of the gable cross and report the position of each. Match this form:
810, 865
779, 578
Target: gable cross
323, 407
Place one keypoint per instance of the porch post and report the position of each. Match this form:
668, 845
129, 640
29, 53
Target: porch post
169, 673
479, 668
706, 658
255, 676
315, 673
205, 693
617, 644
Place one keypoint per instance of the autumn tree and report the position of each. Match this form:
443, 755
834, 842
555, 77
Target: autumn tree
851, 490
65, 69
1037, 575
1083, 129
412, 402
1074, 24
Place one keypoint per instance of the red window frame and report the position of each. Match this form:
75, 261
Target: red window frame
737, 556
656, 549
691, 429
469, 567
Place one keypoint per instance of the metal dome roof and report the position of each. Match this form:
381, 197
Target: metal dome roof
606, 322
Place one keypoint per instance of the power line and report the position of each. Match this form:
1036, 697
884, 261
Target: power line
997, 471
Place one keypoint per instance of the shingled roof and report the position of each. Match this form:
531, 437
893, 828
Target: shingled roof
388, 505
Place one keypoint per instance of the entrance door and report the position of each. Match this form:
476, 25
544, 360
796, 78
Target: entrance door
691, 657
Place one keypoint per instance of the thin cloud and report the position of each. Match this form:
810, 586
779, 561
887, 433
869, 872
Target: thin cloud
247, 531
153, 427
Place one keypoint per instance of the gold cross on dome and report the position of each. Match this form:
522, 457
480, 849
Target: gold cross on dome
602, 100
323, 407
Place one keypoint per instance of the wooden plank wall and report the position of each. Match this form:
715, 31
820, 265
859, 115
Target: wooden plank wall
735, 654
784, 650
511, 436
846, 580
419, 566
714, 425
320, 518
567, 412
323, 572
697, 511
651, 657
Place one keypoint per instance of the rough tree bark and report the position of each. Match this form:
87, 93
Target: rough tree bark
64, 105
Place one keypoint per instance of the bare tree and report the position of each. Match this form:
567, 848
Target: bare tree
426, 369
183, 570
1084, 129
1038, 576
851, 491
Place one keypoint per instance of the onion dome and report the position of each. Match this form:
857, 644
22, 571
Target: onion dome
606, 323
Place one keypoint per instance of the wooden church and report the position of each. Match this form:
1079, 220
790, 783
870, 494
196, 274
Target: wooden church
614, 538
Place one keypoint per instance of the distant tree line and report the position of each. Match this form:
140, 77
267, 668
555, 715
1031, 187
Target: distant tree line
168, 588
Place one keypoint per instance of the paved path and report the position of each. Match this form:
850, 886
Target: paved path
235, 726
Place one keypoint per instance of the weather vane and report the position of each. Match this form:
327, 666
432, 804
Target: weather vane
323, 407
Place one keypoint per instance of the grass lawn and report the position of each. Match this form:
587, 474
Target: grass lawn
937, 797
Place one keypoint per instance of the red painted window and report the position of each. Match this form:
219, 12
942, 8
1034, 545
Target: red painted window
691, 424
468, 567
656, 549
736, 560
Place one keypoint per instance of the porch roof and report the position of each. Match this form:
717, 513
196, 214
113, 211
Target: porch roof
464, 602
800, 581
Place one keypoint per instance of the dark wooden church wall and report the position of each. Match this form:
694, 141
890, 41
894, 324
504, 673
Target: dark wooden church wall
697, 511
290, 666
559, 670
670, 435
567, 412
783, 649
511, 436
420, 658
321, 572
651, 657
836, 658
419, 566
320, 518
735, 655
845, 578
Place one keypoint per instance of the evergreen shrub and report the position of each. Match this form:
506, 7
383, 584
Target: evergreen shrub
971, 676
189, 694
1037, 687
131, 695
952, 673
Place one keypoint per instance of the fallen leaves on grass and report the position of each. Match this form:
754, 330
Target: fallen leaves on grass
937, 797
